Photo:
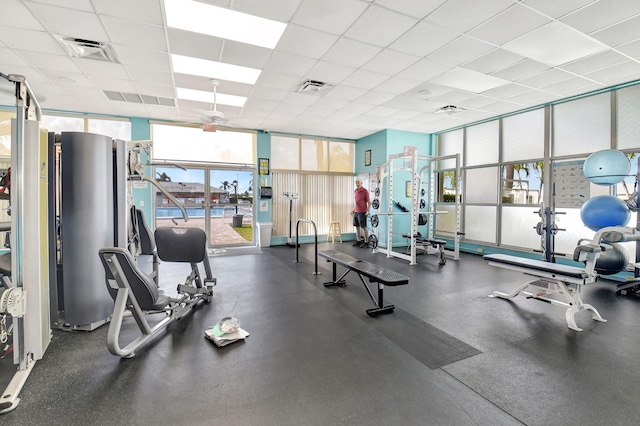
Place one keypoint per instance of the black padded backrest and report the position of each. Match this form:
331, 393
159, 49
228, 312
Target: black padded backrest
181, 244
144, 289
147, 240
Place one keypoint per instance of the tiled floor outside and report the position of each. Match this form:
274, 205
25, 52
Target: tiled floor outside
222, 233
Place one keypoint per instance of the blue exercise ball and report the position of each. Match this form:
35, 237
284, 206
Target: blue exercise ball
612, 261
604, 210
606, 167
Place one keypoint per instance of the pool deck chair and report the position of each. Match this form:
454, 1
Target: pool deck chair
136, 292
556, 284
375, 274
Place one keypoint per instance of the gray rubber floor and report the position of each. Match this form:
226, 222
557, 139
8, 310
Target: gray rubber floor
448, 355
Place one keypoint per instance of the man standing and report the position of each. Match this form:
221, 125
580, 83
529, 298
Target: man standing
360, 212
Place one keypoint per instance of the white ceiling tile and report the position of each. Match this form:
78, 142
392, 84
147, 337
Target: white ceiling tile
332, 16
10, 58
632, 49
289, 64
245, 55
346, 93
424, 70
397, 85
365, 79
260, 104
305, 42
461, 50
621, 33
546, 78
501, 107
34, 77
85, 93
463, 15
501, 29
151, 89
424, 38
579, 91
390, 62
567, 85
382, 111
260, 92
114, 84
35, 41
554, 44
471, 81
277, 80
620, 73
351, 53
84, 5
314, 111
595, 62
193, 44
492, 61
427, 91
415, 8
601, 14
278, 10
412, 104
404, 115
150, 75
139, 10
330, 73
379, 26
477, 101
71, 23
331, 104
101, 69
555, 8
50, 62
204, 83
300, 99
64, 79
522, 69
452, 97
15, 14
507, 91
138, 57
132, 33
357, 107
533, 97
375, 98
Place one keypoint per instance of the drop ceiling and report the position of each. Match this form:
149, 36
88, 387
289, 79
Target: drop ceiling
387, 64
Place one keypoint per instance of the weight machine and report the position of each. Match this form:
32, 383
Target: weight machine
430, 244
24, 293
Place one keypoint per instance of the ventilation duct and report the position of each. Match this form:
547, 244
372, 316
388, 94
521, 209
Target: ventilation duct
88, 49
139, 99
312, 86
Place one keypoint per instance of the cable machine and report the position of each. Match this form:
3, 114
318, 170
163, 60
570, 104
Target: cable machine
23, 295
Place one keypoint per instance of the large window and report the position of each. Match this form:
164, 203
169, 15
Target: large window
180, 143
317, 155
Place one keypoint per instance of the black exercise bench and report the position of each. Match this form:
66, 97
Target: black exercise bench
375, 274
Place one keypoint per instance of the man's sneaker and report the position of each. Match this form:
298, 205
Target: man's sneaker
357, 243
364, 245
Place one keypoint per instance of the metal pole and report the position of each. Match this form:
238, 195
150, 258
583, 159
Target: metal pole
315, 233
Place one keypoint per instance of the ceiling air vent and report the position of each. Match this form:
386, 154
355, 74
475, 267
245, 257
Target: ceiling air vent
139, 99
312, 86
88, 49
449, 110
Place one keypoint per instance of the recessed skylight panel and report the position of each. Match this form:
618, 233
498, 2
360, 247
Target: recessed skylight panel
224, 23
202, 96
212, 69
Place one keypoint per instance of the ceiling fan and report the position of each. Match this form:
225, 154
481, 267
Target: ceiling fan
212, 117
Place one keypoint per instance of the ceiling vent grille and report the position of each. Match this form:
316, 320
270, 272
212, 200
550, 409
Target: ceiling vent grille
88, 49
139, 99
312, 86
449, 110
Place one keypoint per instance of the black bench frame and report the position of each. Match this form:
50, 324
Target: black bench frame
363, 269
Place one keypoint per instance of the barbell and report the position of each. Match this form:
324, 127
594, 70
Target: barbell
376, 204
422, 216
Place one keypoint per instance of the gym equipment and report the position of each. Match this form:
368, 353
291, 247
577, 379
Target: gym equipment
25, 292
613, 260
553, 279
385, 178
606, 167
429, 246
374, 273
136, 292
547, 229
291, 196
603, 211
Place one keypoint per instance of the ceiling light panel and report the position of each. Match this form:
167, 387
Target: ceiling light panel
201, 96
501, 29
213, 69
471, 81
224, 23
332, 16
554, 44
464, 15
424, 38
379, 26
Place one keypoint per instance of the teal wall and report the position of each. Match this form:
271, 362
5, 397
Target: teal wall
263, 150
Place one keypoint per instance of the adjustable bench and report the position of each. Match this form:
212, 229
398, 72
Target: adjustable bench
430, 243
375, 274
550, 279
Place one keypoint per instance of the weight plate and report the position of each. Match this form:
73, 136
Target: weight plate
423, 204
373, 241
376, 192
375, 204
375, 220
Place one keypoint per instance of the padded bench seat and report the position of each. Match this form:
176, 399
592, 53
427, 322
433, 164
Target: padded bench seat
373, 272
539, 265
